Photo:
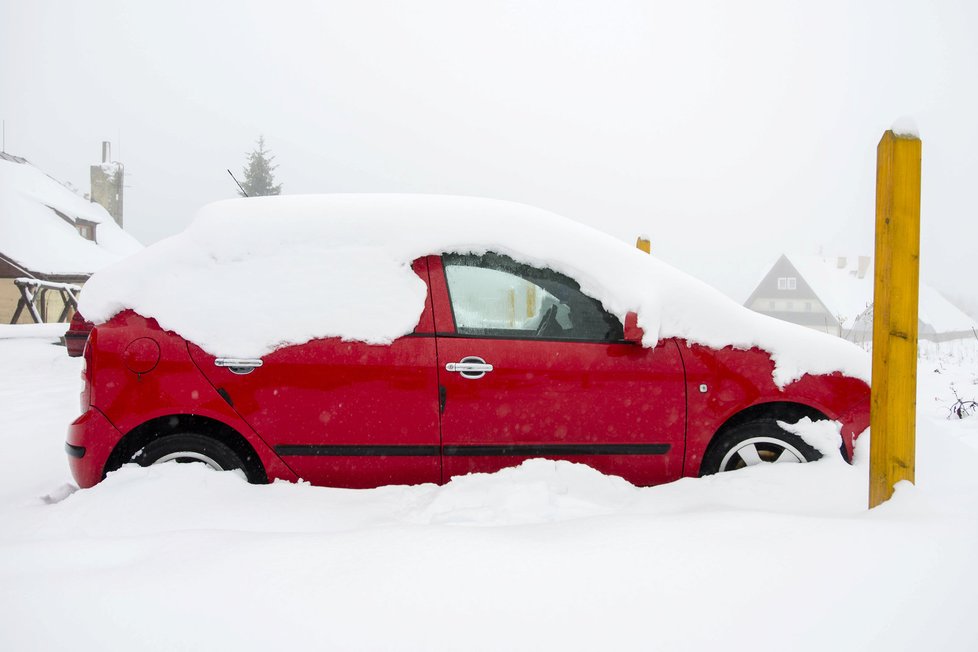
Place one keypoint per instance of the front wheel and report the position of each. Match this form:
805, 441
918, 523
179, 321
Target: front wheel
756, 442
189, 448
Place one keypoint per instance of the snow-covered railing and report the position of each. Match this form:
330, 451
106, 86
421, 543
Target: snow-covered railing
33, 293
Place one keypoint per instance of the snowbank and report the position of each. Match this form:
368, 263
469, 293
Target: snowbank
549, 555
296, 268
823, 435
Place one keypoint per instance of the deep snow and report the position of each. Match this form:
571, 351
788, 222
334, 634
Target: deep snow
545, 556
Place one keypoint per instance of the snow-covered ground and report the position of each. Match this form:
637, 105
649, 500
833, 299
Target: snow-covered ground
546, 556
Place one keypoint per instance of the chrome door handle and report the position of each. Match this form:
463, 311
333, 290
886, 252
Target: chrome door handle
470, 367
467, 366
239, 366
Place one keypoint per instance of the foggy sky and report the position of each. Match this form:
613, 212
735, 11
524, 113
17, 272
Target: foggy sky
727, 132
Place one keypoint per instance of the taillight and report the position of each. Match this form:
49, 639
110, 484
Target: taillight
87, 371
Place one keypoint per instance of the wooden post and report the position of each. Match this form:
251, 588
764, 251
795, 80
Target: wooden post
894, 391
531, 301
511, 304
644, 244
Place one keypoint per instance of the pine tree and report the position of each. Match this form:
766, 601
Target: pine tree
258, 177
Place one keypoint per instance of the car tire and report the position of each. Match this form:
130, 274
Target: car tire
184, 448
756, 442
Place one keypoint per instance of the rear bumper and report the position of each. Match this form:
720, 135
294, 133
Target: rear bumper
91, 438
75, 342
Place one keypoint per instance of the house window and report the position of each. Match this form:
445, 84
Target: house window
787, 283
86, 229
808, 306
789, 305
772, 305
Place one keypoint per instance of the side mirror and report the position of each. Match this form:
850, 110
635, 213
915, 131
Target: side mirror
633, 332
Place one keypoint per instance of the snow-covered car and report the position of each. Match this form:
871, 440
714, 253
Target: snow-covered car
362, 340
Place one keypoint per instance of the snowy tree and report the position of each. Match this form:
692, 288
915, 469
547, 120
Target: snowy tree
259, 179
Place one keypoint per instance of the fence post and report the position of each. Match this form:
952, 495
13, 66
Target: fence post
894, 389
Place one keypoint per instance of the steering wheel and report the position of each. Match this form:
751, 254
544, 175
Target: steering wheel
548, 324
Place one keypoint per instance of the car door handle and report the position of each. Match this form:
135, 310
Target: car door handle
469, 367
239, 366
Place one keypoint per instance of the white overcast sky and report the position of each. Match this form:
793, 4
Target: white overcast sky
726, 131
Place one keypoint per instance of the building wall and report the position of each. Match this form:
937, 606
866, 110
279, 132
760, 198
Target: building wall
815, 318
10, 295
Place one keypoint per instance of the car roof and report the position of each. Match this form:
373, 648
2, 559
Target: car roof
298, 267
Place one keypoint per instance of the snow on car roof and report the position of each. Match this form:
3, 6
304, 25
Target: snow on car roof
251, 275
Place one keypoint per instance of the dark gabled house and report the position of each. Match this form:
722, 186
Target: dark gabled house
834, 294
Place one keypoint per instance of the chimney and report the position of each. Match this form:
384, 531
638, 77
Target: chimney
863, 266
841, 262
107, 183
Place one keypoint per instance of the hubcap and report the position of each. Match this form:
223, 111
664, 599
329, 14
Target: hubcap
760, 450
189, 456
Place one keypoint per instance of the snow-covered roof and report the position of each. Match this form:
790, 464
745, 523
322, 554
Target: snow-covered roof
939, 314
250, 275
846, 295
35, 237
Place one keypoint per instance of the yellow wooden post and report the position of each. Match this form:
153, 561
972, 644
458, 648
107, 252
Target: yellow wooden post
531, 301
894, 393
644, 244
511, 304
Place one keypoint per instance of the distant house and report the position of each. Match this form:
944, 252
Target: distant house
834, 294
49, 233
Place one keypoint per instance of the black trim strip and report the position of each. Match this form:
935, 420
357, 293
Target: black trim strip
357, 451
558, 449
75, 451
476, 450
224, 394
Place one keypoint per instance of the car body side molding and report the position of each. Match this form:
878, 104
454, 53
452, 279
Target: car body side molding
496, 451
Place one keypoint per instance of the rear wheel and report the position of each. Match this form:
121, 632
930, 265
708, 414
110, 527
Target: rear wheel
189, 448
756, 442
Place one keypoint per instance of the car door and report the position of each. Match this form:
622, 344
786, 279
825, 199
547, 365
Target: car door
343, 413
530, 366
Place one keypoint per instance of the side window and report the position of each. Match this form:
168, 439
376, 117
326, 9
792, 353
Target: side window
494, 296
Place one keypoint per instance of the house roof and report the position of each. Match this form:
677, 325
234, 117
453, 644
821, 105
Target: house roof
38, 215
846, 295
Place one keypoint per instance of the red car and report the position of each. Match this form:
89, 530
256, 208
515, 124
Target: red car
508, 361
77, 335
